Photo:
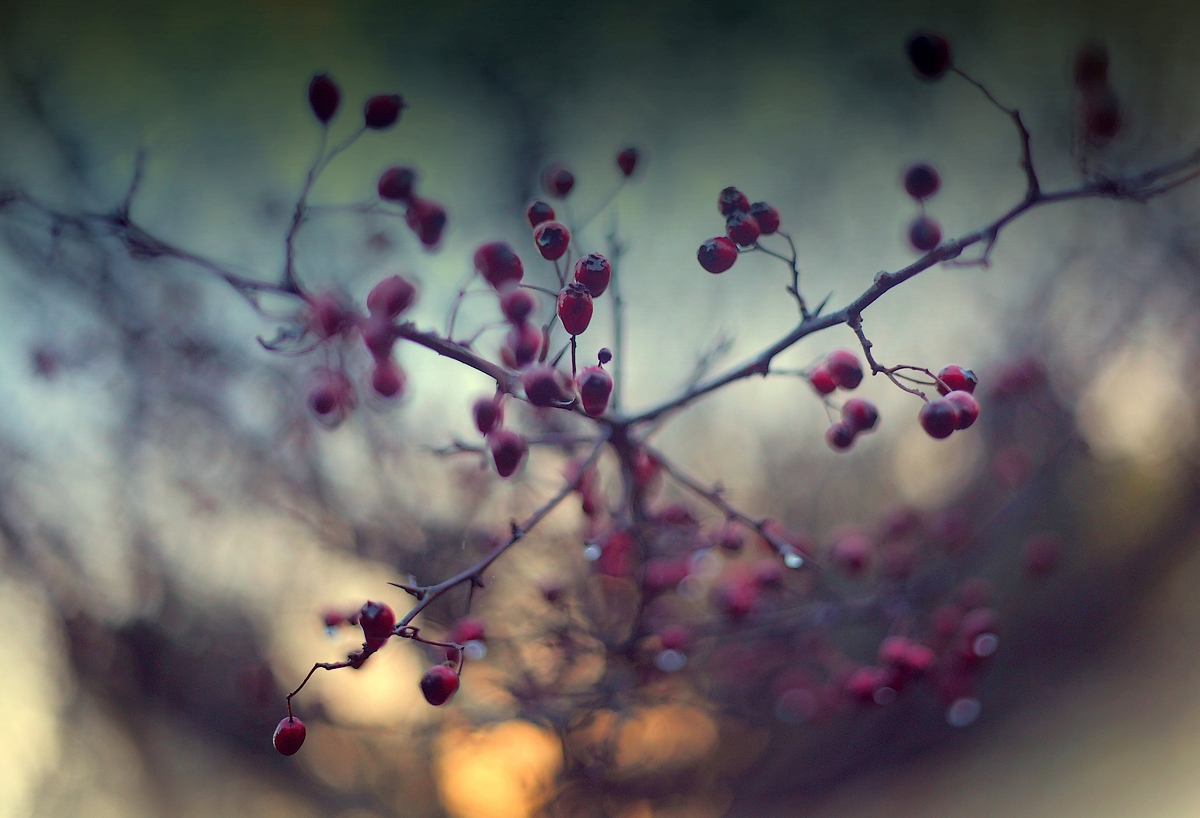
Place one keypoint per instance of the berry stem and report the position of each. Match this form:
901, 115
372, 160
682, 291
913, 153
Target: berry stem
1032, 186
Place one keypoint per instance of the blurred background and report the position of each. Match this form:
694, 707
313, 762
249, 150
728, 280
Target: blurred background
175, 525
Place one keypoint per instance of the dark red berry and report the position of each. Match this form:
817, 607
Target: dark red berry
488, 414
627, 160
546, 386
822, 379
379, 336
438, 684
967, 406
843, 365
537, 212
521, 346
575, 308
604, 355
921, 181
328, 316
839, 436
377, 619
331, 395
323, 98
1091, 66
499, 264
382, 110
467, 629
427, 219
595, 387
552, 239
929, 54
731, 200
517, 305
289, 735
717, 254
1101, 115
396, 184
593, 271
766, 216
391, 296
851, 553
743, 229
387, 378
508, 449
939, 418
860, 415
924, 234
956, 378
557, 180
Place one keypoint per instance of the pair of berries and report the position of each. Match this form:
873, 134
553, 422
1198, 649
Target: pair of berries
858, 416
840, 368
1099, 109
425, 217
922, 181
744, 224
957, 410
380, 112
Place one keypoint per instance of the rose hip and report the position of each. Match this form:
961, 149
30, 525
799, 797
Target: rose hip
289, 735
323, 98
843, 365
396, 184
517, 305
382, 111
968, 408
593, 271
575, 308
377, 620
921, 181
743, 229
929, 54
488, 414
939, 418
717, 254
860, 415
766, 216
627, 161
557, 180
508, 449
956, 378
551, 239
924, 234
391, 296
499, 264
595, 387
438, 684
537, 212
731, 200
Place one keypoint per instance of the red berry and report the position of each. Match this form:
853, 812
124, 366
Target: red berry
929, 54
731, 200
328, 316
717, 254
1091, 66
377, 620
627, 160
391, 296
289, 735
822, 379
839, 436
956, 378
939, 418
860, 415
766, 216
396, 184
575, 308
546, 386
488, 414
967, 406
323, 98
742, 228
499, 264
552, 239
382, 110
851, 553
593, 271
604, 355
844, 367
467, 629
379, 336
557, 180
427, 219
595, 387
331, 395
1101, 115
921, 181
508, 449
387, 378
438, 684
521, 346
517, 305
924, 234
537, 212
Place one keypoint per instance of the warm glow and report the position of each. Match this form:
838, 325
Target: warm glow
503, 771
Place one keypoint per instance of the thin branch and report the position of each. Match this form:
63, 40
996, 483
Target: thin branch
1032, 186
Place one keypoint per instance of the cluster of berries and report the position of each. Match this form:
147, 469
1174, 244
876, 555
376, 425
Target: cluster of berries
744, 223
842, 369
378, 623
957, 409
328, 318
424, 217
